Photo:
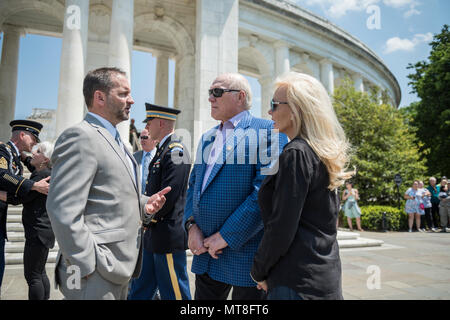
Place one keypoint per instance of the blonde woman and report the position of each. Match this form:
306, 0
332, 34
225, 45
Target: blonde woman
298, 257
351, 208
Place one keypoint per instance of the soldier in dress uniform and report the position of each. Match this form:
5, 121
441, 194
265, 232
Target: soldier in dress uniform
25, 134
165, 240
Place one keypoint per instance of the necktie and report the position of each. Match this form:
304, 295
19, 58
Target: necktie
145, 168
119, 142
122, 147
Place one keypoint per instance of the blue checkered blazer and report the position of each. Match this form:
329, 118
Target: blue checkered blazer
229, 203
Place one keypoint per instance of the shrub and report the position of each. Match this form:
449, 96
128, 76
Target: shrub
372, 218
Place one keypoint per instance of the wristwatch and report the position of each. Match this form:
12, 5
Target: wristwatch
189, 223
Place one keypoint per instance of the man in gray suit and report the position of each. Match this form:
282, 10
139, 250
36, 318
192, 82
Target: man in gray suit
95, 203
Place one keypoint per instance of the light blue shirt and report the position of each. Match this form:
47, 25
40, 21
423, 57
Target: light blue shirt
108, 125
113, 131
144, 171
219, 142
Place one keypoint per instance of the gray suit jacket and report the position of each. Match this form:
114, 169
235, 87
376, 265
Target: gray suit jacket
95, 205
138, 156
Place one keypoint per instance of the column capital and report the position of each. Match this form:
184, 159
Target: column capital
325, 60
282, 44
11, 29
157, 53
305, 57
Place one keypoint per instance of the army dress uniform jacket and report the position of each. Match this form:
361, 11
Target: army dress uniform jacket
169, 167
11, 179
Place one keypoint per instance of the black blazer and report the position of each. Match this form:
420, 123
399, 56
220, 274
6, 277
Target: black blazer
169, 167
299, 248
34, 214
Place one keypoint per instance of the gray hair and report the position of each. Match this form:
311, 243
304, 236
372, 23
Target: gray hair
46, 148
238, 82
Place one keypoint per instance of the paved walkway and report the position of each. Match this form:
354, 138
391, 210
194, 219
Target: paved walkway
408, 266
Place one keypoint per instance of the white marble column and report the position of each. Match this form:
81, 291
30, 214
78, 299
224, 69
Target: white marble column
162, 79
358, 82
217, 47
120, 48
282, 64
327, 75
184, 99
71, 103
266, 83
8, 78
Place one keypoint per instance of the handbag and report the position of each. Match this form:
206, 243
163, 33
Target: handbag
421, 206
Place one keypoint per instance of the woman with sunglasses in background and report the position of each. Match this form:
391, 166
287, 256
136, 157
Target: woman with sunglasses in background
298, 257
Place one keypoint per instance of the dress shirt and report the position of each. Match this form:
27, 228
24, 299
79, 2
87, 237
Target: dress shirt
221, 138
113, 131
164, 139
145, 162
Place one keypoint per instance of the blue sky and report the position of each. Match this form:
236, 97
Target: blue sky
406, 28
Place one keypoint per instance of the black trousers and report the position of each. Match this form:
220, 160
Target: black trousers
34, 260
426, 217
207, 288
435, 214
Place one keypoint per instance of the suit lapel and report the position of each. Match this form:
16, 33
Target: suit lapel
112, 142
228, 149
138, 156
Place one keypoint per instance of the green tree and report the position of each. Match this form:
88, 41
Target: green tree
383, 145
431, 115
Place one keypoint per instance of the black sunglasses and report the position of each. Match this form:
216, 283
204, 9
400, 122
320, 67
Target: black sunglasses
274, 104
218, 92
144, 137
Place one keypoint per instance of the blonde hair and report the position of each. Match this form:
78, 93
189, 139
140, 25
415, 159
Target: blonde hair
315, 121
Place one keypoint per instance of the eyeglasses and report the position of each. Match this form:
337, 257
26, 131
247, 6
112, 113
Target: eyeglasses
274, 104
144, 137
218, 92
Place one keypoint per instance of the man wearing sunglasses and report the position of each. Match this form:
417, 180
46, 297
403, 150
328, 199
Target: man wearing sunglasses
222, 214
164, 266
144, 157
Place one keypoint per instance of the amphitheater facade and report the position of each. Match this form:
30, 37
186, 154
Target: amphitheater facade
259, 38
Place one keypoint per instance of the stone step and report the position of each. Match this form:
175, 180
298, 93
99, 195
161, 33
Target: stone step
14, 227
18, 247
13, 218
15, 210
359, 243
17, 258
346, 235
16, 237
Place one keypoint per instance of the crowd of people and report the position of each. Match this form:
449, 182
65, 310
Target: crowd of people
124, 221
428, 207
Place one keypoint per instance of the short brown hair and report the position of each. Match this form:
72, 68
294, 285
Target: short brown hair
99, 79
